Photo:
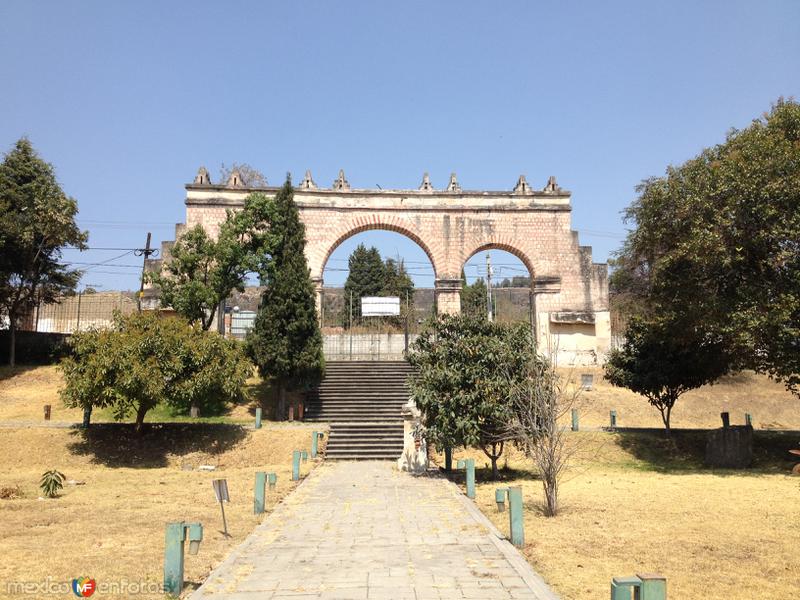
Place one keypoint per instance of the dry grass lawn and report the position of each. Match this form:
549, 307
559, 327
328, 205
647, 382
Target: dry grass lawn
25, 390
631, 505
111, 528
770, 404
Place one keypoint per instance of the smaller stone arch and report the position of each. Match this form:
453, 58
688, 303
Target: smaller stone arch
512, 247
323, 250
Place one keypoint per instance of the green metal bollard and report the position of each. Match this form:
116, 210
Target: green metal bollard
748, 419
258, 418
272, 478
305, 455
469, 466
654, 587
174, 555
644, 586
261, 484
448, 459
296, 455
574, 419
195, 537
613, 419
515, 518
500, 499
624, 588
315, 437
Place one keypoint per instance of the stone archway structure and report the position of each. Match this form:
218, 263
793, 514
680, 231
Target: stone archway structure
450, 225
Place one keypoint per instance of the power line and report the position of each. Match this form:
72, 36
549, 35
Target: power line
101, 264
88, 248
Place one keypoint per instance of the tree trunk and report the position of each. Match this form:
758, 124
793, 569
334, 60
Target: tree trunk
494, 455
281, 409
140, 413
12, 344
665, 415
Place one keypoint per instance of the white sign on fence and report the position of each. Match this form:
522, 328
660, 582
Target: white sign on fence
374, 306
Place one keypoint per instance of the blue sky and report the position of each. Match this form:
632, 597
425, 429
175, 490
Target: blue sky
127, 100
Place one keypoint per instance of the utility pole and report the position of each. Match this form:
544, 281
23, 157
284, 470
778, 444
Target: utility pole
489, 287
145, 253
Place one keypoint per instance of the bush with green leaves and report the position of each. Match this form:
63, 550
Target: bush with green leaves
51, 483
145, 360
460, 388
661, 359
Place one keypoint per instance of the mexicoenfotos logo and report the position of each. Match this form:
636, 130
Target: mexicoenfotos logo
84, 587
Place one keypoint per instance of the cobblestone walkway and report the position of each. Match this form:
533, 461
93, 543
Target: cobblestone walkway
357, 530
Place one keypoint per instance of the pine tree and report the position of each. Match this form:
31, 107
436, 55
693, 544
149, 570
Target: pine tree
398, 283
38, 221
366, 277
286, 343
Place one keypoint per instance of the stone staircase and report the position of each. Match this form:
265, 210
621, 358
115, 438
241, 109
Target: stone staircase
362, 402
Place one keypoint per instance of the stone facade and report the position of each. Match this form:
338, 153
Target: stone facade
451, 225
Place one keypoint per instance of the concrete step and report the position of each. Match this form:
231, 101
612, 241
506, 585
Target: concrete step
362, 401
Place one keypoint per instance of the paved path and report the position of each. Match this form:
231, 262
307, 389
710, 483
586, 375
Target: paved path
356, 530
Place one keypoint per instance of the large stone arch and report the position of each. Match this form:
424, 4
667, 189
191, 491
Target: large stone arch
322, 249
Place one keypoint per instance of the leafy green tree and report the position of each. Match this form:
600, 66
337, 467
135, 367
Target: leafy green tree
460, 388
716, 241
397, 282
38, 221
473, 297
661, 360
285, 342
145, 360
201, 272
366, 277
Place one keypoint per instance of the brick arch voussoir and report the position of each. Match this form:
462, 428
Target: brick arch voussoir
372, 223
508, 244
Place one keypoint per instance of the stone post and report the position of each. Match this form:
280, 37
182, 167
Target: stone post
415, 452
448, 296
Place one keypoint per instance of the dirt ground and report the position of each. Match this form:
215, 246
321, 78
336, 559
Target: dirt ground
111, 526
630, 505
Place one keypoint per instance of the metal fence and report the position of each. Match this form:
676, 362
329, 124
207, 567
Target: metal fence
80, 312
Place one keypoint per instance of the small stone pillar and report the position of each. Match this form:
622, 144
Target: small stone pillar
448, 296
317, 281
415, 452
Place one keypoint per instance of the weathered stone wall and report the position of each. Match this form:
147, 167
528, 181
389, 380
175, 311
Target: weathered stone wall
450, 226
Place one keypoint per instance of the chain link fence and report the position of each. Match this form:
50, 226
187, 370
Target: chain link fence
80, 312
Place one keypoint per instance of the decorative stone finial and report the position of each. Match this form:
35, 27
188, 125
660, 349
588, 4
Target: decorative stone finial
341, 184
426, 185
308, 182
453, 185
202, 177
235, 179
552, 186
522, 186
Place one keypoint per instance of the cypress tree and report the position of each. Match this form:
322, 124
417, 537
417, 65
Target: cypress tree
366, 277
286, 343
